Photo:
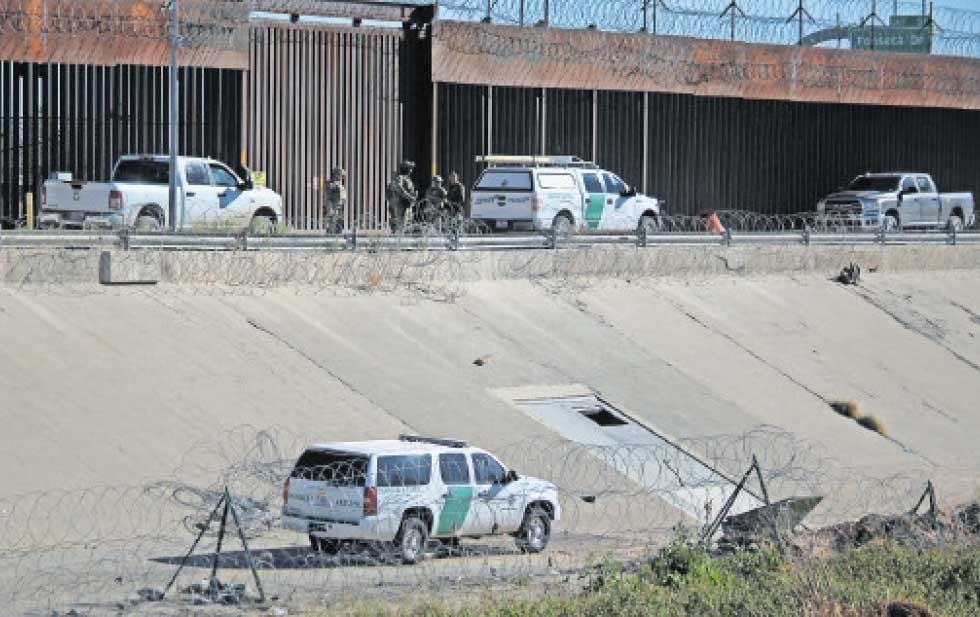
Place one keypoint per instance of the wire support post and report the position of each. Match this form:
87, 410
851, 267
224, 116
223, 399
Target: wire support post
215, 589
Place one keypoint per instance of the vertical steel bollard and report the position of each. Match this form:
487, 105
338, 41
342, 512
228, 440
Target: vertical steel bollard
30, 211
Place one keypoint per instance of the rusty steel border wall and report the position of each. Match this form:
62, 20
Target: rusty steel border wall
706, 153
322, 99
702, 124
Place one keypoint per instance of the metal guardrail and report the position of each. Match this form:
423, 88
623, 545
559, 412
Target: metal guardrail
376, 241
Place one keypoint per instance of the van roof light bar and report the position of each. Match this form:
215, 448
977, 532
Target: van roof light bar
534, 160
439, 441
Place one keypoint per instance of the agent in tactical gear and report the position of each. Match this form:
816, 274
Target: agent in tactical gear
436, 196
456, 195
401, 195
336, 203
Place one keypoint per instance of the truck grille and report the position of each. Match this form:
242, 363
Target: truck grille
842, 208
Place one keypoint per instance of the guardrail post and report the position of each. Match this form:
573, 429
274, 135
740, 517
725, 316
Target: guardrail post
727, 237
880, 236
952, 234
124, 238
554, 237
641, 237
454, 238
806, 235
353, 237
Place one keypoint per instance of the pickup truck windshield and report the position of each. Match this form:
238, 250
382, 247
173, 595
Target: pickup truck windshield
143, 172
874, 183
493, 180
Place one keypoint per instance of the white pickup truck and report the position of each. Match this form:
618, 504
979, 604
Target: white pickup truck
210, 196
893, 201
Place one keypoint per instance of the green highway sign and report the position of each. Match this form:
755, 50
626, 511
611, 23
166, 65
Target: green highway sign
916, 40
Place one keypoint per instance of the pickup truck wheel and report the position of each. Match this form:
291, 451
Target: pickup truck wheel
955, 224
411, 540
649, 224
890, 223
562, 225
260, 226
148, 222
535, 531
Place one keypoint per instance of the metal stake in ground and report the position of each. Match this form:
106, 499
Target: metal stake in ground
248, 554
213, 580
183, 561
213, 584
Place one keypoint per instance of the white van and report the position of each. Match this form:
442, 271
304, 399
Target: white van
404, 492
560, 192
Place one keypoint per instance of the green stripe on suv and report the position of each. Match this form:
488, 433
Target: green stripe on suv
454, 511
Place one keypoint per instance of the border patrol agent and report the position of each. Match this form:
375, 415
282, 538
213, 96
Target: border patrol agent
456, 195
401, 195
333, 215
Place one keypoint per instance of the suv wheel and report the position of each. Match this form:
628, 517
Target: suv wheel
411, 540
955, 224
535, 531
891, 223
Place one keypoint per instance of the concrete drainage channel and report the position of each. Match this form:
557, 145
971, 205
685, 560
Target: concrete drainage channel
657, 464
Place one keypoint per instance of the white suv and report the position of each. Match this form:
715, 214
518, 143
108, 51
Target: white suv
560, 192
409, 490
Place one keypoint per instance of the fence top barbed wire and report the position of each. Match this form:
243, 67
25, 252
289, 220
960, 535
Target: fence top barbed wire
762, 21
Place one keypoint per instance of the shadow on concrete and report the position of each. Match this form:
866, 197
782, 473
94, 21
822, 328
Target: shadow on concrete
305, 558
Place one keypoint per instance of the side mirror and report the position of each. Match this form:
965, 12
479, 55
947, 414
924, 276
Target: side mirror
246, 175
511, 477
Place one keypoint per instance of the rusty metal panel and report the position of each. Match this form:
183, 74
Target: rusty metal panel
111, 32
485, 54
318, 99
79, 118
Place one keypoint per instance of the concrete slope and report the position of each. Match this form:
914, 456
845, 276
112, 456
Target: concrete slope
112, 385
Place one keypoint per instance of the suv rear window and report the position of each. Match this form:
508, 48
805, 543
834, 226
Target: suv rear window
494, 180
143, 172
404, 470
556, 181
334, 468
